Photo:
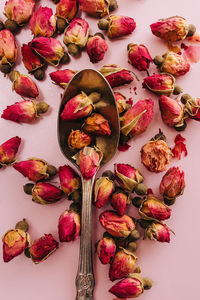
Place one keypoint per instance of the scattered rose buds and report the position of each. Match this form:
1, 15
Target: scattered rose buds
139, 57
66, 10
8, 51
43, 22
158, 232
62, 77
96, 47
180, 147
97, 125
119, 201
8, 151
42, 248
106, 249
78, 139
117, 26
69, 179
97, 8
116, 75
69, 226
121, 102
117, 226
103, 189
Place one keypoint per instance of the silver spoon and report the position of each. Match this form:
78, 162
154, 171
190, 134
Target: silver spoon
89, 81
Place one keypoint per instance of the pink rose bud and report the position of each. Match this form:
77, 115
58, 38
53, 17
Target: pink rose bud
88, 161
8, 151
77, 107
172, 29
121, 102
46, 193
117, 226
122, 264
66, 10
96, 47
97, 125
69, 179
116, 75
62, 77
35, 169
106, 248
8, 51
172, 184
43, 22
103, 188
69, 226
117, 26
158, 232
127, 176
42, 248
137, 118
152, 208
139, 57
78, 139
160, 84
97, 8
119, 201
24, 111
130, 287
23, 85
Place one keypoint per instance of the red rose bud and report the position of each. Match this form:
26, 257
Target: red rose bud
8, 151
46, 193
88, 160
8, 51
180, 147
66, 10
137, 118
62, 77
139, 57
97, 8
122, 264
43, 22
158, 232
97, 124
153, 208
69, 179
35, 169
78, 139
69, 226
23, 85
117, 26
42, 248
119, 201
78, 107
127, 176
116, 75
117, 226
106, 248
121, 102
103, 188
96, 48
24, 111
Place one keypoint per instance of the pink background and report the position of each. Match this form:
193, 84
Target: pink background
173, 267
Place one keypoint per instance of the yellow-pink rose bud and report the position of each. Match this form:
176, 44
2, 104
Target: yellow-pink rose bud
119, 201
97, 124
97, 8
8, 151
121, 102
69, 226
158, 232
106, 248
78, 139
8, 51
103, 188
69, 179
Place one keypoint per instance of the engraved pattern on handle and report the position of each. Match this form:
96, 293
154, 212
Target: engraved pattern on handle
85, 278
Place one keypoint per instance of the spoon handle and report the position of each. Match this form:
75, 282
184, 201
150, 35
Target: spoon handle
85, 278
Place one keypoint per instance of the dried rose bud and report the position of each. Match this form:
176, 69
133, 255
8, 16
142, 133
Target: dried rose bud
153, 209
23, 85
137, 118
76, 35
34, 169
116, 75
117, 226
43, 22
158, 232
69, 179
106, 248
117, 26
78, 107
127, 176
119, 201
97, 124
172, 184
8, 51
62, 77
42, 248
96, 48
121, 102
24, 111
78, 139
156, 155
97, 8
192, 106
66, 10
8, 151
88, 161
103, 188
122, 264
69, 226
50, 49
139, 57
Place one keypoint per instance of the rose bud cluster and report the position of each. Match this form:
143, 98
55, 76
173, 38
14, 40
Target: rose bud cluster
69, 226
66, 10
78, 139
69, 179
117, 26
8, 51
139, 57
97, 124
116, 75
121, 102
106, 249
62, 77
96, 47
8, 151
97, 8
119, 201
158, 231
103, 189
